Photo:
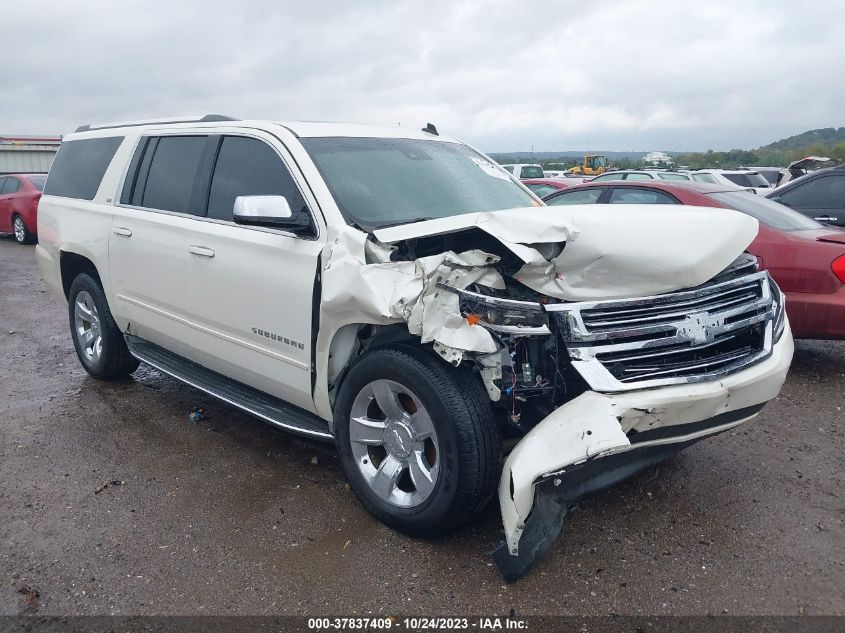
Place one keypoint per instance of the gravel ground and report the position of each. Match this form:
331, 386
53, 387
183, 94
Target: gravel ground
113, 502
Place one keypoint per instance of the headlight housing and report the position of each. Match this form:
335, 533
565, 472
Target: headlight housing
779, 308
525, 318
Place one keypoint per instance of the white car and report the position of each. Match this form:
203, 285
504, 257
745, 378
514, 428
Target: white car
399, 294
525, 170
733, 177
645, 174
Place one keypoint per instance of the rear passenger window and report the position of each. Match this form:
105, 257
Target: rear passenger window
640, 196
249, 167
579, 196
173, 170
13, 185
79, 167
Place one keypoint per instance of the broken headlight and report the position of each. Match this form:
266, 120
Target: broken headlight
779, 308
502, 315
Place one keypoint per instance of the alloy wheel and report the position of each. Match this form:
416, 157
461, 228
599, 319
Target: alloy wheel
20, 229
394, 443
87, 323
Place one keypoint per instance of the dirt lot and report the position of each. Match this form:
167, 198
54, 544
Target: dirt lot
112, 501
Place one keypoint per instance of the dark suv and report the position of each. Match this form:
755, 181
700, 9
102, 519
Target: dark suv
819, 194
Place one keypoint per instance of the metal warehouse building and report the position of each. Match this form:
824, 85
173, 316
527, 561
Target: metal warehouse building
27, 154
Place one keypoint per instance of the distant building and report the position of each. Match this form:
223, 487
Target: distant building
27, 154
658, 158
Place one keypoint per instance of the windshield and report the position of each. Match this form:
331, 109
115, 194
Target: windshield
769, 212
751, 179
37, 181
531, 171
380, 182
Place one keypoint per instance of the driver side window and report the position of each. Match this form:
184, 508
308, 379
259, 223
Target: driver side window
249, 167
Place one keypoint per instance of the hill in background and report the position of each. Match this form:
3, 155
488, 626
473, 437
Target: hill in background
823, 136
828, 141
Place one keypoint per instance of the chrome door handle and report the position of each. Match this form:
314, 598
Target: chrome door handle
120, 230
202, 251
825, 218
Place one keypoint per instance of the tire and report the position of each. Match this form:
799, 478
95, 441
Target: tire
21, 233
99, 343
440, 487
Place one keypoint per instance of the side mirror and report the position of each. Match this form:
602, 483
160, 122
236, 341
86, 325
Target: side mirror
271, 211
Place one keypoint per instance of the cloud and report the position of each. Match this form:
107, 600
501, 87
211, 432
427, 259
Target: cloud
502, 75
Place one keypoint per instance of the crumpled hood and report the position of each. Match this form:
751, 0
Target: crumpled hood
611, 251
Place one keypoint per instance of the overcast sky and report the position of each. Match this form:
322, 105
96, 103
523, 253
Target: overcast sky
637, 75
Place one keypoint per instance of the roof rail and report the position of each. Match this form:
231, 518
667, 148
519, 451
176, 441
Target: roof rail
207, 118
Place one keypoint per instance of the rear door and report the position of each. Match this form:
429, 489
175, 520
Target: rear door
250, 291
821, 198
148, 245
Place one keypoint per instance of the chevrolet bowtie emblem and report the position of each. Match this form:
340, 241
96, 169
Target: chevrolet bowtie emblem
700, 328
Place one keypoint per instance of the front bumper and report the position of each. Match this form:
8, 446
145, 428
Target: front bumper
597, 440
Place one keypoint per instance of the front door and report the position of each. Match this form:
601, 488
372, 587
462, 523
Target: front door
250, 291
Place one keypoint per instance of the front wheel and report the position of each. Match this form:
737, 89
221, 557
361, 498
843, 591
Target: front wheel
98, 341
417, 440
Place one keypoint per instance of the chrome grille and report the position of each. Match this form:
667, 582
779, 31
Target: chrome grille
687, 336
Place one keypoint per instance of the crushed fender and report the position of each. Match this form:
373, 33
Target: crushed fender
362, 285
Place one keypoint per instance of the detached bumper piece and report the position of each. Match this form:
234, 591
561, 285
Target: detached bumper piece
557, 496
597, 440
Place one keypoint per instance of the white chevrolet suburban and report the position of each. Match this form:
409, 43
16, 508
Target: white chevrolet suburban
400, 294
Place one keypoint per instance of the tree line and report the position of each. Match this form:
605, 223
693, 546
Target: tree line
762, 157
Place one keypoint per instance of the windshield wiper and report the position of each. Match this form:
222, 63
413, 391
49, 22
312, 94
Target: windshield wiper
410, 221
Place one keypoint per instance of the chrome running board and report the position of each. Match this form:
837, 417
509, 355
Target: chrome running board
270, 409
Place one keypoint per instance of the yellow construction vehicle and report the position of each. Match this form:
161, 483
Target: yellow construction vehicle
594, 164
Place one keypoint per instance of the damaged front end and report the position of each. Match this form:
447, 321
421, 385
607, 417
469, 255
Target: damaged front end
602, 353
599, 390
659, 373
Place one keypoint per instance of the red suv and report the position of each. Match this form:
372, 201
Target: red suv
19, 196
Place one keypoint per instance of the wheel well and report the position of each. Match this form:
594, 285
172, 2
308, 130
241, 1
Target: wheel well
72, 264
352, 340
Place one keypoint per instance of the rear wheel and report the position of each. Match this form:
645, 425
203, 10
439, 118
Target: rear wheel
98, 341
22, 234
417, 440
